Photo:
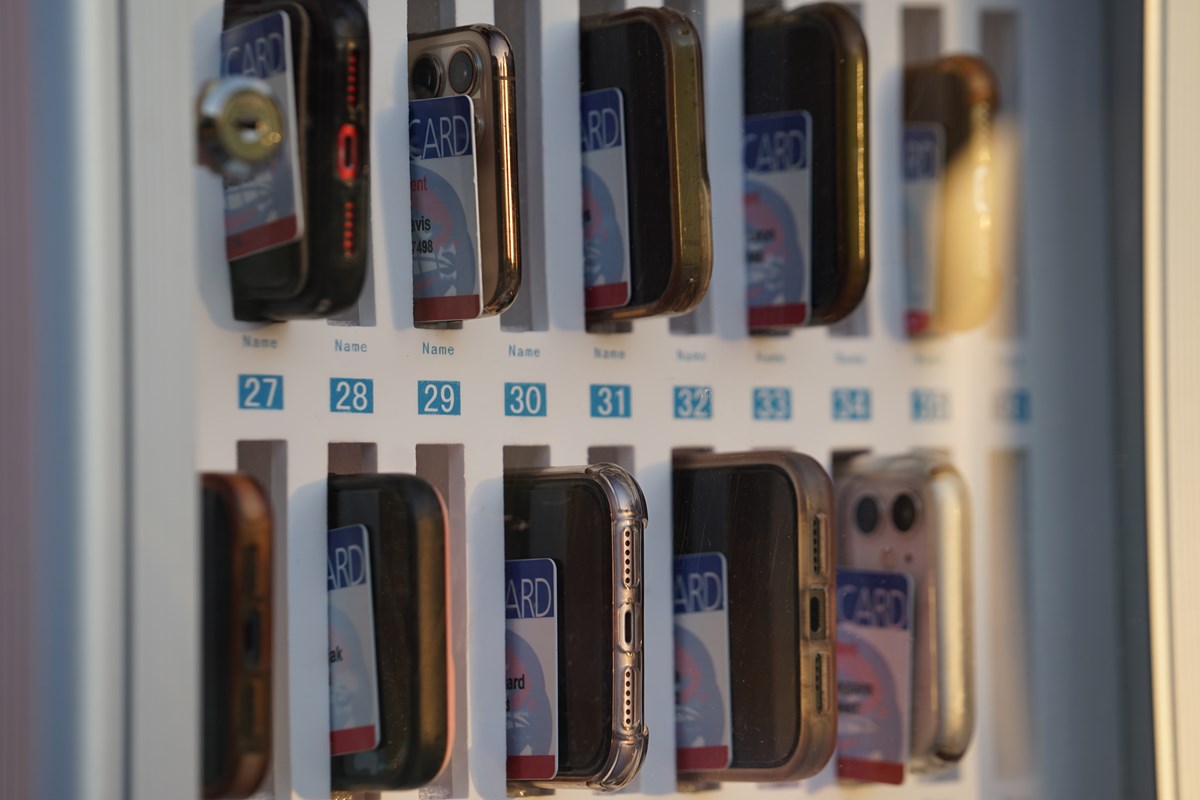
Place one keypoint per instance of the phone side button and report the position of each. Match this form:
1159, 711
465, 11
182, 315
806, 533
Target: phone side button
629, 628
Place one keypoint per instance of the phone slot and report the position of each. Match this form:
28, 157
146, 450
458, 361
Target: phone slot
521, 21
922, 34
265, 460
353, 458
425, 16
526, 456
619, 454
443, 465
999, 47
840, 460
589, 7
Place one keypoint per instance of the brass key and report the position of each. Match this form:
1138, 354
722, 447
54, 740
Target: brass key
239, 126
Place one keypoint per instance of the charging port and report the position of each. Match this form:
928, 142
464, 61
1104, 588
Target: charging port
816, 615
347, 153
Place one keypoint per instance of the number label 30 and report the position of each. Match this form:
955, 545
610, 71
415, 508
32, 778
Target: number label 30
439, 397
352, 395
524, 399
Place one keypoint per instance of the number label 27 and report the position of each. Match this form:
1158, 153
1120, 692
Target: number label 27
260, 392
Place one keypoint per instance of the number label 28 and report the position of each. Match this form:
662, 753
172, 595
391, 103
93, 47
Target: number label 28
352, 395
439, 397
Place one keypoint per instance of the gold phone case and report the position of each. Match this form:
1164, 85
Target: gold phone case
629, 733
969, 270
691, 208
815, 532
943, 695
494, 97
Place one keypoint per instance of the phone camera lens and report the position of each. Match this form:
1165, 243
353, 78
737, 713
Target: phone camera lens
462, 71
426, 77
866, 514
904, 512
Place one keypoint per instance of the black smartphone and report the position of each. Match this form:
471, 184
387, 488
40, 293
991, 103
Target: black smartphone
769, 514
589, 521
296, 239
405, 522
652, 57
236, 609
807, 61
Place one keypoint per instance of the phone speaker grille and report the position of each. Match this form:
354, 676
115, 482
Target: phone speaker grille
629, 697
627, 558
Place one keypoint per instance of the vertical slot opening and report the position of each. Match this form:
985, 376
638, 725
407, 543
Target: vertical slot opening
521, 21
353, 458
839, 460
425, 16
999, 47
816, 615
922, 34
1010, 600
619, 454
443, 466
526, 456
819, 682
266, 461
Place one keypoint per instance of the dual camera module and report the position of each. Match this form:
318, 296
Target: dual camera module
460, 74
903, 512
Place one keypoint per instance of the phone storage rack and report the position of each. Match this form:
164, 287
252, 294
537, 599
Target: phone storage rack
290, 402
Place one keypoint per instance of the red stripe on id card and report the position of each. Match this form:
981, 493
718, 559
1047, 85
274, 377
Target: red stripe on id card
440, 309
531, 768
769, 316
352, 740
874, 771
609, 295
281, 231
691, 759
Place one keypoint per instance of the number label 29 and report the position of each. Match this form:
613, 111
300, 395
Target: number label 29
439, 397
260, 392
352, 395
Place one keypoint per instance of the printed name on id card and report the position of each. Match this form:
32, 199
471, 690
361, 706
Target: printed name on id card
777, 161
703, 720
266, 209
874, 667
531, 667
353, 676
606, 259
447, 271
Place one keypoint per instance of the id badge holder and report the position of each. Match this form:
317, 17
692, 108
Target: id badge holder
447, 272
874, 674
606, 258
924, 162
777, 165
531, 668
703, 716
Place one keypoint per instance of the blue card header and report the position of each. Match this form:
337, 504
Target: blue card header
529, 588
256, 49
440, 127
600, 119
922, 153
347, 564
775, 142
874, 599
699, 583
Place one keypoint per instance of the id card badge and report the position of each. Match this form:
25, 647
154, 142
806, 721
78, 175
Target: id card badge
265, 210
777, 162
531, 667
353, 675
874, 672
703, 723
606, 268
924, 160
447, 274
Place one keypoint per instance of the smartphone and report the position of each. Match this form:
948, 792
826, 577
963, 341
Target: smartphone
770, 515
651, 57
911, 513
954, 268
236, 597
297, 232
405, 523
477, 62
806, 86
589, 521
